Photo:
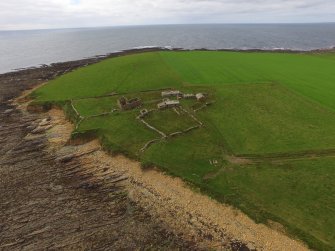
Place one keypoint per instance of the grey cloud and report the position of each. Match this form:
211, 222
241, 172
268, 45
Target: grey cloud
28, 14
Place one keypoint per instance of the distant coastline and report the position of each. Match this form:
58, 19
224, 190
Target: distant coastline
95, 59
22, 49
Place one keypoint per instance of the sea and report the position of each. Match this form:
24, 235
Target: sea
21, 49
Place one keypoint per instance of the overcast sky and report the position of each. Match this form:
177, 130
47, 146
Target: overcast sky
37, 14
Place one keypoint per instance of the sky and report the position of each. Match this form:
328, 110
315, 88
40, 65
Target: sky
43, 14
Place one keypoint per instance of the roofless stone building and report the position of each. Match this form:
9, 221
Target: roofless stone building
166, 94
168, 104
130, 104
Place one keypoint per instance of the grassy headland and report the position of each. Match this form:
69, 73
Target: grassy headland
266, 142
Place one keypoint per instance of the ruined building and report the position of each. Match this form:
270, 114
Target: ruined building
167, 94
168, 104
188, 96
130, 104
200, 97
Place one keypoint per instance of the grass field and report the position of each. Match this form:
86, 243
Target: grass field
312, 77
272, 113
274, 120
299, 192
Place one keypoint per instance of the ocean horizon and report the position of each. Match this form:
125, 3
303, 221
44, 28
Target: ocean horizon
30, 48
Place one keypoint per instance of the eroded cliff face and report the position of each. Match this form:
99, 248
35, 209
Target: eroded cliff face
46, 202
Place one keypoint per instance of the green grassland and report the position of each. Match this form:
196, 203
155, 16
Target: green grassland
274, 120
124, 74
312, 77
276, 110
299, 192
169, 125
120, 130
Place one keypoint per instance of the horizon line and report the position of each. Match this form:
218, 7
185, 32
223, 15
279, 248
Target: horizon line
167, 24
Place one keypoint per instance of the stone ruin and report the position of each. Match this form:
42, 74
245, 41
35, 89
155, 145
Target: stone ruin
200, 97
166, 94
130, 104
167, 103
188, 96
143, 113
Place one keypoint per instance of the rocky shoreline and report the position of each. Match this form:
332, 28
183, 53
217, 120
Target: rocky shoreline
63, 67
45, 206
59, 196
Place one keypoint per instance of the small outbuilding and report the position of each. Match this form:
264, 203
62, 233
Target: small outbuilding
188, 96
143, 113
200, 97
168, 104
130, 104
166, 94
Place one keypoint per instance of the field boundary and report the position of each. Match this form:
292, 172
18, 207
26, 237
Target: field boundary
311, 153
252, 158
